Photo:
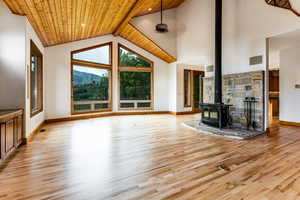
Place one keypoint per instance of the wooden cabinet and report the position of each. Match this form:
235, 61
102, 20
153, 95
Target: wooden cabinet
19, 134
11, 131
9, 136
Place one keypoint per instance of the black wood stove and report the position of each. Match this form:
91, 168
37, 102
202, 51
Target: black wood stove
217, 114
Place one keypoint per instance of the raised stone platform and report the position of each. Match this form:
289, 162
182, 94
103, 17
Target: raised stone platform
231, 133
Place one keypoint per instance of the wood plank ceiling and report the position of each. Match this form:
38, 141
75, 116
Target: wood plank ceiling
61, 21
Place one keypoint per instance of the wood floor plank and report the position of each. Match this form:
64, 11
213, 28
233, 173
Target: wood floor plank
151, 157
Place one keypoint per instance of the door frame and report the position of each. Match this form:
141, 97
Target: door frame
202, 74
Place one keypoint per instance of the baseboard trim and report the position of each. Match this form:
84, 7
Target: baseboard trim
184, 113
289, 123
268, 132
34, 132
74, 118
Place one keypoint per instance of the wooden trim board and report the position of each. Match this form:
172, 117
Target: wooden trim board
73, 118
289, 123
184, 113
104, 115
34, 132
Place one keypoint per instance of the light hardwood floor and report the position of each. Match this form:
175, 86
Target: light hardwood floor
151, 157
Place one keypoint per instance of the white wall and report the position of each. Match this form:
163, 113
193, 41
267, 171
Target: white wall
195, 32
147, 23
281, 42
35, 121
180, 85
253, 29
12, 59
172, 87
15, 35
289, 77
58, 76
246, 25
274, 59
195, 25
195, 39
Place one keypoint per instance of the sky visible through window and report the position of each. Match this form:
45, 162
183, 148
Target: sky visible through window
91, 70
127, 52
97, 55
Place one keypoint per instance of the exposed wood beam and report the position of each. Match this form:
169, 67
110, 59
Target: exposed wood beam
14, 7
132, 34
128, 17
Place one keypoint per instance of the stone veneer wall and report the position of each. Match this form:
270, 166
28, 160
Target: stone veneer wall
235, 88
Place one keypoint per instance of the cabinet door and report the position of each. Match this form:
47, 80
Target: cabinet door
2, 143
9, 136
19, 130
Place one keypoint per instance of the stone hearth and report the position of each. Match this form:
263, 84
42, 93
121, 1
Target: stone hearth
232, 133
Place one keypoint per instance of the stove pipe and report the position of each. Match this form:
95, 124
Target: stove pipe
218, 52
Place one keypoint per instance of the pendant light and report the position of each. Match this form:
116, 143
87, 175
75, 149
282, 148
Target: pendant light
161, 28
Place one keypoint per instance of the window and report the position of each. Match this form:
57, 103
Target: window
100, 55
129, 59
135, 78
36, 80
91, 79
187, 88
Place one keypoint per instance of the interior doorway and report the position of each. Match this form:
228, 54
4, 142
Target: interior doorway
197, 93
274, 97
283, 62
193, 89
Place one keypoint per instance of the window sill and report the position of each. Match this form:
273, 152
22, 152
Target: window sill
91, 112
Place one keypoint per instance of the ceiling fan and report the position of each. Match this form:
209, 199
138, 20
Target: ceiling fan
161, 28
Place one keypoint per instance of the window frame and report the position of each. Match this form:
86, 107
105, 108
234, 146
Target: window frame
35, 51
82, 63
88, 63
135, 69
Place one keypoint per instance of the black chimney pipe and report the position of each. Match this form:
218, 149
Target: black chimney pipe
218, 52
210, 110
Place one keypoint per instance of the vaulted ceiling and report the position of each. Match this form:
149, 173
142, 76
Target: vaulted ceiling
62, 21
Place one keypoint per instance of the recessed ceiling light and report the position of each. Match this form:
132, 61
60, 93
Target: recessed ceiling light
149, 9
82, 25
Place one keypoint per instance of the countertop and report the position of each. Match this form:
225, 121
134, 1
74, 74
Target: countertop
8, 114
